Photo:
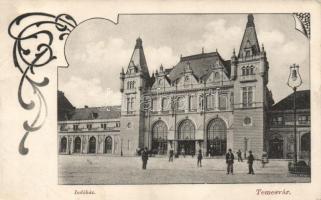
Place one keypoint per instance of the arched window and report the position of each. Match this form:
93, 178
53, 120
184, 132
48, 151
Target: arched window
180, 103
92, 145
186, 130
159, 137
216, 137
243, 71
63, 145
108, 144
159, 131
165, 104
77, 145
247, 70
216, 129
252, 70
216, 75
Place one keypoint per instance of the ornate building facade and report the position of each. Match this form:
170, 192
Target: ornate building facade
203, 102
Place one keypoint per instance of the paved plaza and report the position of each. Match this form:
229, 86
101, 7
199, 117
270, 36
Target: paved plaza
100, 170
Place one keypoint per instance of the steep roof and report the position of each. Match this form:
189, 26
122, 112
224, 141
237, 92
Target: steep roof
250, 38
200, 64
89, 113
138, 59
64, 106
302, 101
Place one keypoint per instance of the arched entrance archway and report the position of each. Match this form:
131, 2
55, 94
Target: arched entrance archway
63, 145
108, 145
92, 145
77, 145
216, 137
276, 146
186, 137
159, 137
305, 146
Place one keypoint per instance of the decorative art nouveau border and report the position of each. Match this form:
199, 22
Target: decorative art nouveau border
38, 25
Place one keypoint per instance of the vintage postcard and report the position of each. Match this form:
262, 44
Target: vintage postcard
158, 100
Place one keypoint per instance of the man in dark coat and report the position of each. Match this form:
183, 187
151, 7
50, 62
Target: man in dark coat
145, 157
250, 161
239, 156
171, 155
229, 161
199, 158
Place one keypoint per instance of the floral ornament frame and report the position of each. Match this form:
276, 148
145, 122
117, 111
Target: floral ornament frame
35, 27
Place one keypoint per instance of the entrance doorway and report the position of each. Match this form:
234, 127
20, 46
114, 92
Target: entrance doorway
276, 147
186, 138
216, 137
186, 147
159, 138
92, 145
108, 145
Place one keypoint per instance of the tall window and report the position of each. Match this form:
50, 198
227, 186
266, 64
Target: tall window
63, 145
159, 131
165, 104
247, 70
186, 130
132, 104
252, 70
210, 102
77, 145
222, 102
201, 102
128, 104
180, 103
243, 71
247, 96
154, 104
192, 103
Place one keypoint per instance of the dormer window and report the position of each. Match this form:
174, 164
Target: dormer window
95, 115
186, 78
89, 126
247, 53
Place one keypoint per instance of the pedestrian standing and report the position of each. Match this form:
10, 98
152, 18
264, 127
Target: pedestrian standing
183, 152
239, 156
199, 158
250, 161
229, 161
171, 155
145, 157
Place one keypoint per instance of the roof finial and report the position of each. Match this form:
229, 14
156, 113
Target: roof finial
161, 68
139, 43
233, 51
250, 20
262, 47
202, 50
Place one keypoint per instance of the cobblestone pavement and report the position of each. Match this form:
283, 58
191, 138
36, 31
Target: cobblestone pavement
98, 170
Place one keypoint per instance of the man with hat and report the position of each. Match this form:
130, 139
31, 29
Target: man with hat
229, 161
250, 161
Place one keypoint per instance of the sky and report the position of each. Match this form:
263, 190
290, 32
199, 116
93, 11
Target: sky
97, 49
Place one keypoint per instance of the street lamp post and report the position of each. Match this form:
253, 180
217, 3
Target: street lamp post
294, 81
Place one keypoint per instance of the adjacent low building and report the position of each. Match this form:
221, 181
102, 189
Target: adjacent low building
281, 127
88, 130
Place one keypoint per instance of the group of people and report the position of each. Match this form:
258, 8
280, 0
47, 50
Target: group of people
229, 159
